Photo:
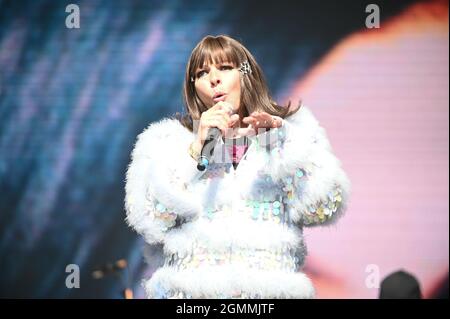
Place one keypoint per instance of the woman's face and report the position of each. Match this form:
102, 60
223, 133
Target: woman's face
218, 82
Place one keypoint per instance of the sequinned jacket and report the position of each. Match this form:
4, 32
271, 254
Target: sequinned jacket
233, 233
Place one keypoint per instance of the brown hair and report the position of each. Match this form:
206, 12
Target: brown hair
255, 94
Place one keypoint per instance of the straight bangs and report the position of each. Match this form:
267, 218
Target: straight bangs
214, 51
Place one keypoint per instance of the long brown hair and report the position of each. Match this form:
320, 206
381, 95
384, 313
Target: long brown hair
255, 94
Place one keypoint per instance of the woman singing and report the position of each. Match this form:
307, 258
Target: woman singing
233, 230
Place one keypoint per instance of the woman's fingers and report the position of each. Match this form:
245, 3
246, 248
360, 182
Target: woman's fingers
222, 105
230, 120
220, 115
257, 120
233, 120
251, 120
277, 121
220, 124
245, 131
227, 107
217, 106
263, 120
225, 120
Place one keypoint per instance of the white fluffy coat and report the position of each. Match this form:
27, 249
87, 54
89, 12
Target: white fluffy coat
213, 209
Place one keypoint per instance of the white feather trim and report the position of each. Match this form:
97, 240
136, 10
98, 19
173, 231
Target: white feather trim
160, 168
215, 282
234, 231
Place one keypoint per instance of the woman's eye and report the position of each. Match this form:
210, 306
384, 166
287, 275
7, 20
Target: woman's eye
200, 73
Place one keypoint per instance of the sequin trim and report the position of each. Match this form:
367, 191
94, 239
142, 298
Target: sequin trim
260, 259
324, 210
164, 215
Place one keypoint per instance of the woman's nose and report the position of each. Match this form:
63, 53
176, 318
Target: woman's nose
214, 77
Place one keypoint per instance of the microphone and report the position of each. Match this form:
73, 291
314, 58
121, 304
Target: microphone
208, 148
207, 151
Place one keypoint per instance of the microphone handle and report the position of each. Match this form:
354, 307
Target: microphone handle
208, 148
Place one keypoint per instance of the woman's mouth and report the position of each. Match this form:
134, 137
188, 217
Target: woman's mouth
219, 97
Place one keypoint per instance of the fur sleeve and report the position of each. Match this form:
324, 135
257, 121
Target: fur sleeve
156, 195
316, 186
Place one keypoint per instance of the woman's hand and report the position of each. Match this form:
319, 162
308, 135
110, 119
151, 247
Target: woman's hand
263, 120
217, 116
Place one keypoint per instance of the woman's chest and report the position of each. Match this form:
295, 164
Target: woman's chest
250, 181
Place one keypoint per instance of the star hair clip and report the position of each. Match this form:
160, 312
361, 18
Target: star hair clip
245, 68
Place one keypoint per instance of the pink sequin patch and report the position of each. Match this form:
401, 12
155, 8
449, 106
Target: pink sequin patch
237, 152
